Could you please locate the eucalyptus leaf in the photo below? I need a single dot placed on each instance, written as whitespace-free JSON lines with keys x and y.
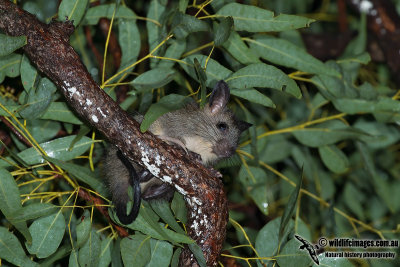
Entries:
{"x":10,"y":202}
{"x":10,"y":43}
{"x":284,"y":53}
{"x":47,"y":233}
{"x":161,"y":252}
{"x":326,"y":133}
{"x":11,"y":249}
{"x":129,"y":40}
{"x":10,"y":66}
{"x":58,"y":149}
{"x":291,"y":253}
{"x":142,"y":225}
{"x":135,"y":250}
{"x":263,"y":75}
{"x":253,"y":96}
{"x":105,"y":254}
{"x":184,"y":24}
{"x":334,"y":159}
{"x":38,"y":99}
{"x":255,"y":19}
{"x":174,"y":51}
{"x":81,"y":173}
{"x":72,"y":10}
{"x":237,"y":48}
{"x":270,"y":232}
{"x":214,"y":71}
{"x":154,"y":78}
{"x":89,"y":253}
{"x":222,"y":30}
{"x":83,"y":229}
{"x":33,"y":211}
{"x":94,"y":14}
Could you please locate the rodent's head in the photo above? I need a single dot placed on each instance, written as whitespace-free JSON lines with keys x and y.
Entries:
{"x":213,"y":132}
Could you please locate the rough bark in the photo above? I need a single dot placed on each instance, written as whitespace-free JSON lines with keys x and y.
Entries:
{"x":48,"y":49}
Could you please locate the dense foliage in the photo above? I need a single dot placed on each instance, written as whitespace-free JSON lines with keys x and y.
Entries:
{"x":322,"y":159}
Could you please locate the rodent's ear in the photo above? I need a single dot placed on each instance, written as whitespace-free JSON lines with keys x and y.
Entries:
{"x":219,"y":97}
{"x":243,"y":126}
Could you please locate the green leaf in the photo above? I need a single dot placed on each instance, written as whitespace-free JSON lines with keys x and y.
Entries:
{"x":276,"y":149}
{"x":11,"y":249}
{"x":214,"y":71}
{"x":38,"y":99}
{"x":202,"y":77}
{"x":263,"y":75}
{"x":255,"y":19}
{"x":254,"y":181}
{"x":334,"y":159}
{"x":73,"y":259}
{"x":29,"y":74}
{"x":43,"y":130}
{"x":83,"y":229}
{"x":270,"y":232}
{"x":174,"y":50}
{"x":10,"y":66}
{"x":253,"y":96}
{"x":47,"y":233}
{"x":198,"y":254}
{"x":284,"y":53}
{"x":10,"y":43}
{"x":222,"y":31}
{"x":183,"y":24}
{"x":183,"y":5}
{"x":155,"y":31}
{"x":289,"y":209}
{"x":381,"y":186}
{"x":161,"y":253}
{"x":72,"y":10}
{"x":10,"y":202}
{"x":353,"y":106}
{"x":83,"y":174}
{"x":9,"y":194}
{"x":239,"y":50}
{"x":144,"y":226}
{"x":89,"y":253}
{"x":58,"y":149}
{"x":166,"y":104}
{"x":105,"y":254}
{"x":326,"y":133}
{"x":129,"y":40}
{"x":154,"y":78}
{"x":291,"y":254}
{"x":175,"y":257}
{"x":354,"y":200}
{"x":381,"y":135}
{"x":178,"y":206}
{"x":333,"y":262}
{"x":161,"y":207}
{"x":59,"y":111}
{"x":94,"y":14}
{"x":33,"y":211}
{"x":363,"y":58}
{"x":135,"y":250}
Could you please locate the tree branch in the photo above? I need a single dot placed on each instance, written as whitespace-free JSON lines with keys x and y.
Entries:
{"x":48,"y":49}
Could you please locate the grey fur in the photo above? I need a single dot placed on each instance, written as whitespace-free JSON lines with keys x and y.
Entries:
{"x":212,"y":132}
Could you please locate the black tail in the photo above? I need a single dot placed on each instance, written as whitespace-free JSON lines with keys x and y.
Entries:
{"x":121,"y":207}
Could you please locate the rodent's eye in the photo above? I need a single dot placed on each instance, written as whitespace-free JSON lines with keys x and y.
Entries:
{"x":222,"y":126}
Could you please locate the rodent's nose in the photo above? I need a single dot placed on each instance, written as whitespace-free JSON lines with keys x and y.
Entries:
{"x":224,"y":149}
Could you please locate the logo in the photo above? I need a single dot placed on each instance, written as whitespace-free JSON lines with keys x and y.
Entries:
{"x":309,"y":247}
